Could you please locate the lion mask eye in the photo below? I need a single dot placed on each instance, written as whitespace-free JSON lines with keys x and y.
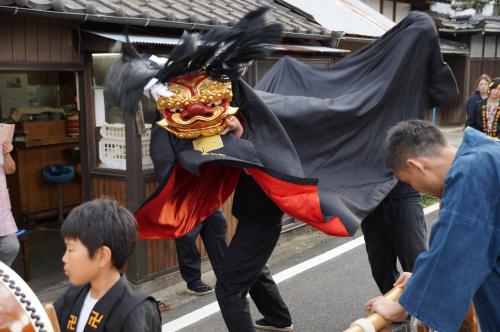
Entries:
{"x":175,"y":110}
{"x":215,"y":103}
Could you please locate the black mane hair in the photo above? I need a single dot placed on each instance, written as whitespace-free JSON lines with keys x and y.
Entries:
{"x":223,"y":53}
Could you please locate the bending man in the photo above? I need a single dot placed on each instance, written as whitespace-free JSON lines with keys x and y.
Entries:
{"x":463,"y":261}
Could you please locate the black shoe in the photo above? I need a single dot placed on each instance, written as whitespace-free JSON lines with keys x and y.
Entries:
{"x":263,"y":324}
{"x":199,"y":290}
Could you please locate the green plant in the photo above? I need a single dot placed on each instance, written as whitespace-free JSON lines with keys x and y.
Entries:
{"x":428,"y":200}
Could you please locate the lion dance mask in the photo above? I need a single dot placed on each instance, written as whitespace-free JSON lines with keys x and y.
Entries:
{"x":199,"y":106}
{"x":197,"y":75}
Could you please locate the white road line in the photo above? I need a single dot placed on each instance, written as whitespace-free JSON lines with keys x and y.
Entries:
{"x":315,"y":261}
{"x":213,"y":307}
{"x":431,"y":209}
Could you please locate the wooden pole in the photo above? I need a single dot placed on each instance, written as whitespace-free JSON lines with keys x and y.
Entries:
{"x":377,"y":320}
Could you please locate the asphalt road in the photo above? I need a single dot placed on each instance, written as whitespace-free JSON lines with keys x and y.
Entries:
{"x":327,"y":297}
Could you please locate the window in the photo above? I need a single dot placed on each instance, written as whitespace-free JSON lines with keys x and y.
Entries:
{"x":109,"y":120}
{"x":33,"y":90}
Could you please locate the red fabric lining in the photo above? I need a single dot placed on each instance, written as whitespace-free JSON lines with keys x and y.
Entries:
{"x":186,"y":200}
{"x":299,"y":201}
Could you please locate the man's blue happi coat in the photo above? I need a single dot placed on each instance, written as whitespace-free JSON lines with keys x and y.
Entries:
{"x":463,"y":261}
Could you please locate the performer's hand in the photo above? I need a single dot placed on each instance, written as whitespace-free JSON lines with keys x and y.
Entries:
{"x":390,"y":310}
{"x":233,"y":125}
{"x":154,"y":89}
{"x":403,"y":280}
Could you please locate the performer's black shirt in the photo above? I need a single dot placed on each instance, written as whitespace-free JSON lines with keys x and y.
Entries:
{"x":251,"y":202}
{"x":402,"y":190}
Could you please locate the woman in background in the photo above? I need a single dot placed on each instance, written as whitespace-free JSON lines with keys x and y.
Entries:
{"x":9,"y":244}
{"x":481,"y":93}
{"x":485,"y":115}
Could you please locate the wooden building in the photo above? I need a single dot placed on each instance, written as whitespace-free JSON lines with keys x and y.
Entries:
{"x":477,"y":26}
{"x":54,"y":58}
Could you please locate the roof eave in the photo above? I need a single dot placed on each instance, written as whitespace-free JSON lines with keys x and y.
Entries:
{"x":144,"y":22}
{"x":450,"y":30}
{"x":359,"y":38}
{"x":455,"y":52}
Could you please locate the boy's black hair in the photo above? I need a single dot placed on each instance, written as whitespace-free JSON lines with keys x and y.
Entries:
{"x":408,"y":139}
{"x":103,"y":222}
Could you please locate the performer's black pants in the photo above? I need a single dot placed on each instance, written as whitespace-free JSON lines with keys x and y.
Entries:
{"x":394,"y":230}
{"x":244,"y":272}
{"x":213,"y":233}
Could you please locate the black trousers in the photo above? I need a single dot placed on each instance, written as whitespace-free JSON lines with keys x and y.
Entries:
{"x":244,"y":271}
{"x":213,"y":233}
{"x":394,"y":230}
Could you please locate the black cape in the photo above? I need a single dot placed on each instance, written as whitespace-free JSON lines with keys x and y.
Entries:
{"x":319,"y":158}
{"x":122,"y":308}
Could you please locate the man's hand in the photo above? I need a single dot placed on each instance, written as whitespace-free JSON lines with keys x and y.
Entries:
{"x":389,"y":309}
{"x":233,"y":125}
{"x":403,"y":280}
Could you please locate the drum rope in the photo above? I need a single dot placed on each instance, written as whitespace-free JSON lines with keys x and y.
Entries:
{"x":22,"y":298}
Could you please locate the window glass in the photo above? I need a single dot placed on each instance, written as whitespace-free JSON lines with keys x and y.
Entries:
{"x":40,"y":103}
{"x":35,"y":90}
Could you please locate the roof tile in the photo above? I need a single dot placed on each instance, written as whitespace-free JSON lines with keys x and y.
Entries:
{"x":208,"y":12}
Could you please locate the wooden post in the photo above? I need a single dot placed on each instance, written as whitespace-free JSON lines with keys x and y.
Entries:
{"x":134,"y":192}
{"x":394,"y":9}
{"x":87,"y":127}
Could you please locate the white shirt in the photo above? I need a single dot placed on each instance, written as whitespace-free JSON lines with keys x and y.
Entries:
{"x":87,"y":307}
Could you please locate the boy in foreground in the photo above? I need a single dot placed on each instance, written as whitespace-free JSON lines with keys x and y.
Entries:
{"x":99,"y":237}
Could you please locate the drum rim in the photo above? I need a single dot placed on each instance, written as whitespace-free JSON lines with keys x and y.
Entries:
{"x":11,"y":280}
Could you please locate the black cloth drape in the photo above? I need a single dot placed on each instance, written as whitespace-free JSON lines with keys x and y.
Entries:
{"x":312,"y":138}
{"x":337,"y":119}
